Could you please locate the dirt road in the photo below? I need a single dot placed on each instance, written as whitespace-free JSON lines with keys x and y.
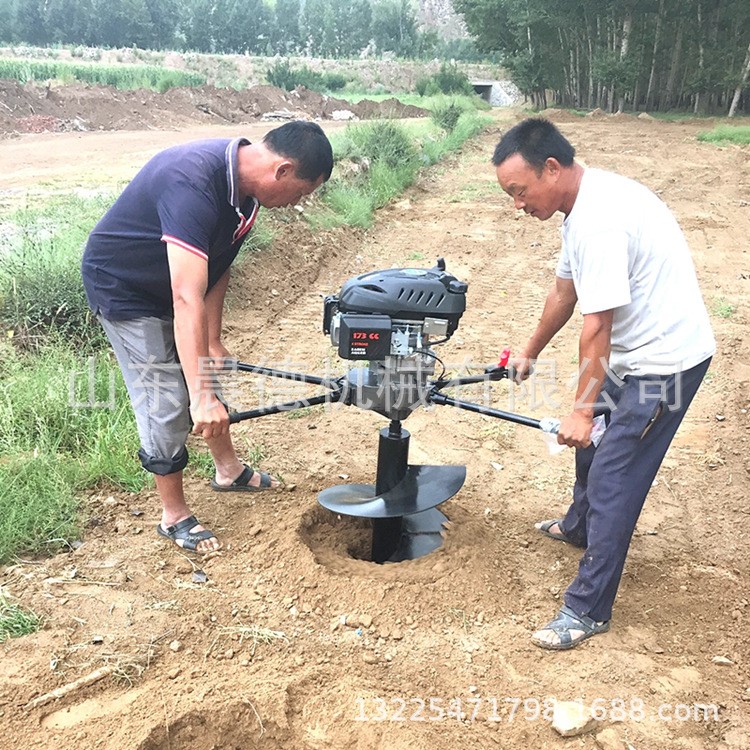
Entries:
{"x":38,"y":163}
{"x":452,"y":627}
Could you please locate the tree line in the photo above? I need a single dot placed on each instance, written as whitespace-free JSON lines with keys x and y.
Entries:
{"x":324,"y":28}
{"x":621,"y":54}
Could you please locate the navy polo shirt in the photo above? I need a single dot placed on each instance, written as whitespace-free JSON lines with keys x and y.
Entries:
{"x":188,"y":196}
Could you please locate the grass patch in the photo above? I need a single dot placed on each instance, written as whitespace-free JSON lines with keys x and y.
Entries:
{"x":468,"y":125}
{"x":467,"y":102}
{"x":723,"y":134}
{"x":283,"y":76}
{"x":678,"y":116}
{"x":379,"y":160}
{"x":15,"y":621}
{"x":722,"y":308}
{"x":38,"y":505}
{"x":65,"y":424}
{"x":262,"y":235}
{"x":41,"y":290}
{"x":120,"y":76}
{"x":386,"y":162}
{"x":201,"y":464}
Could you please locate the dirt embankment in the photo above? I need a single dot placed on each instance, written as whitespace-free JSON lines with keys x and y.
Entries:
{"x":29,"y":108}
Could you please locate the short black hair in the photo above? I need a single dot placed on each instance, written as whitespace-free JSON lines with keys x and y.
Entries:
{"x":536,"y":139}
{"x":305,"y":143}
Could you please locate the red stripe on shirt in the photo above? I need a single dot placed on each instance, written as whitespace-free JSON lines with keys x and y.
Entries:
{"x":184,"y":245}
{"x":245,"y":224}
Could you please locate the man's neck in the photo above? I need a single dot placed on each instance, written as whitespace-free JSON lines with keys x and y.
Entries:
{"x":571,"y":187}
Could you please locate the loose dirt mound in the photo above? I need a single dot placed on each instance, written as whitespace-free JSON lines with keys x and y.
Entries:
{"x":32,"y":109}
{"x":433,"y":653}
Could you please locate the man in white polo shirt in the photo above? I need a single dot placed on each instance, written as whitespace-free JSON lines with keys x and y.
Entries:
{"x":644,"y":348}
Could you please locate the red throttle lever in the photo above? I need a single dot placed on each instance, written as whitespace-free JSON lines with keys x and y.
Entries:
{"x":500,"y":370}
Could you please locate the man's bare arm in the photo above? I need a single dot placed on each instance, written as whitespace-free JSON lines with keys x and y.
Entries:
{"x":558,"y":308}
{"x":189,"y":278}
{"x":593,"y":356}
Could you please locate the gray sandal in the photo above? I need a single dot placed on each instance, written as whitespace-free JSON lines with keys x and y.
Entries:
{"x":565,"y":621}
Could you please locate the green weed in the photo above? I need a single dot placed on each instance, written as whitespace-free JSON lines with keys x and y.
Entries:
{"x":262,"y":235}
{"x":722,"y":308}
{"x":383,"y":141}
{"x":202,"y":464}
{"x":38,"y":509}
{"x":15,"y":621}
{"x":468,"y":125}
{"x":343,"y":205}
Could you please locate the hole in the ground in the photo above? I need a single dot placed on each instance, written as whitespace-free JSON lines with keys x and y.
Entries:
{"x":333,"y":534}
{"x":232,"y":727}
{"x":335,"y":538}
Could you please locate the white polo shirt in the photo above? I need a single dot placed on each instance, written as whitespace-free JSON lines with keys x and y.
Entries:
{"x":624,"y":251}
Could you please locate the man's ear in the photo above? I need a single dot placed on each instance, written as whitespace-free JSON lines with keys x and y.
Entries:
{"x":553,"y":167}
{"x":283,"y":169}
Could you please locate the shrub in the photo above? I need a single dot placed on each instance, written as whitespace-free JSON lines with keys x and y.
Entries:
{"x":451,"y":80}
{"x":283,"y":76}
{"x":384,"y":141}
{"x":446,"y":116}
{"x":448,"y":80}
{"x":334,"y":81}
{"x":421,"y":85}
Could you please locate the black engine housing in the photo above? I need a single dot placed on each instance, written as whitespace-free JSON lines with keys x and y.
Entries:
{"x":402,"y":294}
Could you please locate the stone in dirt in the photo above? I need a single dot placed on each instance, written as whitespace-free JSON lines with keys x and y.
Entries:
{"x":570,"y":719}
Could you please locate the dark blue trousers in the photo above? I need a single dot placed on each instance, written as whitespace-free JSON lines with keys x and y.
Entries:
{"x":612,"y":480}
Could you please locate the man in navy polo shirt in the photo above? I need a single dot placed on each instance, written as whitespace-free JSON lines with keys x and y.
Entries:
{"x":156,"y":269}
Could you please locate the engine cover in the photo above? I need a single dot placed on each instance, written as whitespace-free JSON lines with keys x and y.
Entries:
{"x":403,"y":294}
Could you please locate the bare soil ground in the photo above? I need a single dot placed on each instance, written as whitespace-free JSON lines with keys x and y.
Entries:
{"x":454,"y":624}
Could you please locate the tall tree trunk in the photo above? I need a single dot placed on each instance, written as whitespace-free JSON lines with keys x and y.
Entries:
{"x":590,"y":64}
{"x":590,"y":102}
{"x":701,"y":60}
{"x":741,"y":84}
{"x":567,"y":91}
{"x":627,"y":27}
{"x":657,"y":35}
{"x":575,"y":72}
{"x":668,"y":95}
